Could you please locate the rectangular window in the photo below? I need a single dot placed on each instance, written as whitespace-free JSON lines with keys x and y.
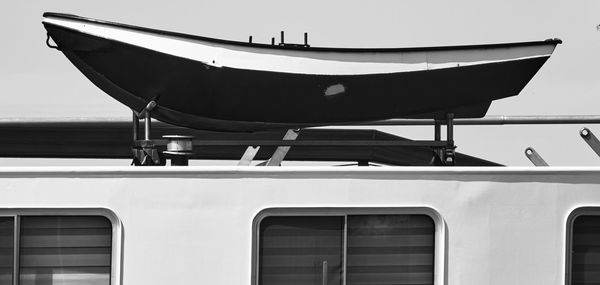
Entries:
{"x":7,"y":249}
{"x":346,"y":249}
{"x":56,"y":250}
{"x":584,"y":267}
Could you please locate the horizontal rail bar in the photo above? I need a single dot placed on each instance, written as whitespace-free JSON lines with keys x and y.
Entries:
{"x":342,"y":143}
{"x":489,"y":120}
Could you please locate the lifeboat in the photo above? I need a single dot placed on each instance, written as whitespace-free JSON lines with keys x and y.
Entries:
{"x":221,"y":85}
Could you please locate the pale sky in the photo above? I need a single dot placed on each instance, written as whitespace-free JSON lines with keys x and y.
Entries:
{"x":41,"y":82}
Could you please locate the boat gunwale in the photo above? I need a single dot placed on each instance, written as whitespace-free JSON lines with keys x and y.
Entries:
{"x":554,"y":41}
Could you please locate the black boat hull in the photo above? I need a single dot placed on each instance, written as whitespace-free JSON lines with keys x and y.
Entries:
{"x":194,"y":94}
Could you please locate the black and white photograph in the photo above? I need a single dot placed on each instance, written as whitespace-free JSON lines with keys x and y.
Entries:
{"x":387,"y":142}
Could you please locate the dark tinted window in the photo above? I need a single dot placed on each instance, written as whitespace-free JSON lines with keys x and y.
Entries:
{"x":363,"y":249}
{"x":7,"y":249}
{"x":390,"y":249}
{"x":298,"y":250}
{"x":57,"y":250}
{"x":585,"y":250}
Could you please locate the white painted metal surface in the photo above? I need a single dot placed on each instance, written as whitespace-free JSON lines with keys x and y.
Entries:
{"x":186,"y":225}
{"x":303,"y":61}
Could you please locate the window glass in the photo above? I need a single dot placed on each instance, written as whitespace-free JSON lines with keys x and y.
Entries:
{"x":65,"y":250}
{"x":360,"y":249}
{"x":298,"y":250}
{"x":7,"y":225}
{"x":390,"y":249}
{"x":585,"y":250}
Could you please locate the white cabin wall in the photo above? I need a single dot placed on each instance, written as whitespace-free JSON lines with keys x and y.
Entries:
{"x":502,"y":227}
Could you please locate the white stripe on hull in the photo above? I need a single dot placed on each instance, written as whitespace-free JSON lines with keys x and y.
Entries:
{"x":304,"y":61}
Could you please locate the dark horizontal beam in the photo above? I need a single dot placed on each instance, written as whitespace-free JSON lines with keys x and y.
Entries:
{"x":301,"y":143}
{"x":99,"y":138}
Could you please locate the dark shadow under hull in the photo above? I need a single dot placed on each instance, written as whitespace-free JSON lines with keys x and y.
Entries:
{"x":192,"y":94}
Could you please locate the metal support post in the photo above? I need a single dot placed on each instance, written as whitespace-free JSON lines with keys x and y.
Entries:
{"x":136,"y":127}
{"x":449,"y":150}
{"x":438,"y":153}
{"x":437,"y":135}
{"x":146,"y":152}
{"x":147,"y":125}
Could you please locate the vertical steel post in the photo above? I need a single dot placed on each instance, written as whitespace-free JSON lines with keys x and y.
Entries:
{"x":450,"y":129}
{"x":147,"y":126}
{"x":306,"y":39}
{"x":325,"y":271}
{"x":438,"y":153}
{"x":282,"y":42}
{"x":16,"y":251}
{"x":449,"y":153}
{"x":437,"y":131}
{"x":136,"y":126}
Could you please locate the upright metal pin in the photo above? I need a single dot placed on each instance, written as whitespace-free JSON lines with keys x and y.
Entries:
{"x":590,"y":139}
{"x":136,"y":126}
{"x":535,"y":157}
{"x":282,"y":41}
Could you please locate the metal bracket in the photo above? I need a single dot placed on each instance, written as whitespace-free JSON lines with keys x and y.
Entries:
{"x":248,"y":155}
{"x":281,"y":151}
{"x":590,"y":139}
{"x":444,"y":155}
{"x":535,"y":157}
{"x":145,"y":152}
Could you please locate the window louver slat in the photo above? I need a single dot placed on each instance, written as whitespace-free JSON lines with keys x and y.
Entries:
{"x":380,"y":249}
{"x":585,"y":260}
{"x":64,"y":250}
{"x":390,"y":249}
{"x":292,"y":250}
{"x":7,"y":226}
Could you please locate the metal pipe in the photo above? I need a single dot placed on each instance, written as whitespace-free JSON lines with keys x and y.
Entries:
{"x":590,"y":139}
{"x":250,"y":39}
{"x":489,"y":120}
{"x":136,"y":127}
{"x":437,"y":131}
{"x":307,"y":143}
{"x":16,"y":249}
{"x":306,"y":39}
{"x":450,"y":129}
{"x":147,"y":123}
{"x":325,"y":271}
{"x":282,"y":42}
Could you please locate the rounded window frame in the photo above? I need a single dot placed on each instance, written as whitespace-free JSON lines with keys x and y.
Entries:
{"x":440,"y":243}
